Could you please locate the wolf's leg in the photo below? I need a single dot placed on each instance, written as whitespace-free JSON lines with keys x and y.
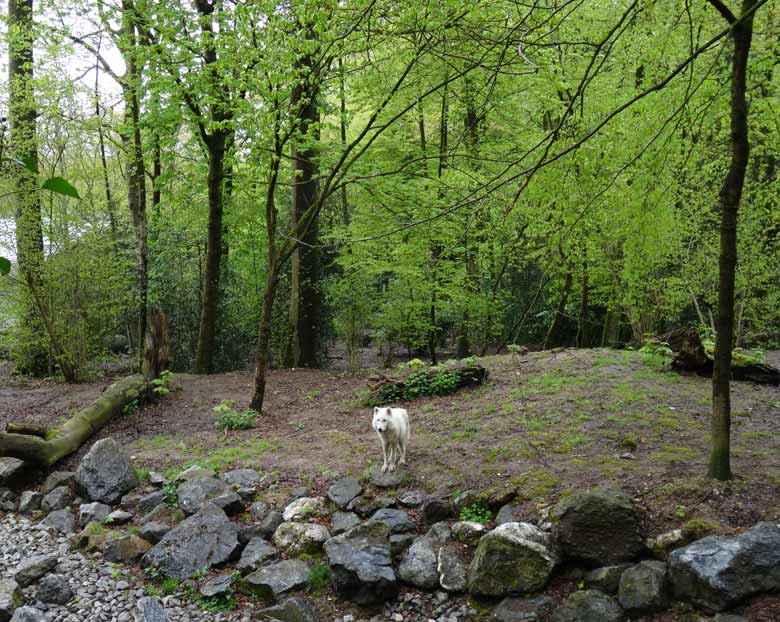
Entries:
{"x":402,"y":443}
{"x":393,"y":456}
{"x":384,"y":453}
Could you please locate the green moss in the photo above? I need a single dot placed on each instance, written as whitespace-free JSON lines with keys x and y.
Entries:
{"x":535,"y":485}
{"x":697,"y":528}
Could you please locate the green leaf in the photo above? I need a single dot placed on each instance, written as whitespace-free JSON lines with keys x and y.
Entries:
{"x":60,"y":186}
{"x":27,"y":163}
{"x":5,"y":266}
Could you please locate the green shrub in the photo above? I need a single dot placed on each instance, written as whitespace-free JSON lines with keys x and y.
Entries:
{"x":476,"y":513}
{"x":226,"y":418}
{"x":319,"y":577}
{"x":161,"y":383}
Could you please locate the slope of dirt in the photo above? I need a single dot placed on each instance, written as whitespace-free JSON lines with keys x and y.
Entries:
{"x":548,"y":423}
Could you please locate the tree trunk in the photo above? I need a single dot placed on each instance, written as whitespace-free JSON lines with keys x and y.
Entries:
{"x":553,"y":336}
{"x":264,"y":340}
{"x":33,"y":359}
{"x":136,"y":171}
{"x":583,"y":330}
{"x":730,"y":196}
{"x":208,"y":311}
{"x":305,"y":299}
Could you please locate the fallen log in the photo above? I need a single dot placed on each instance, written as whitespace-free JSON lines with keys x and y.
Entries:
{"x":424,"y":382}
{"x":691,"y":355}
{"x":42,"y":447}
{"x":57,"y":443}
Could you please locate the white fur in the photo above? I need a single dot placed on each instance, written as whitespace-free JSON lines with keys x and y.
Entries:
{"x":392,"y":426}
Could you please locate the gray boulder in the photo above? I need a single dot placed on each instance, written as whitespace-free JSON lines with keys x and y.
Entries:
{"x":153,"y":531}
{"x":12,"y":472}
{"x":105,"y":473}
{"x":601,"y":527}
{"x":28,"y":614}
{"x":509,"y":514}
{"x":259,"y":510}
{"x":412,"y":498}
{"x":33,"y":568}
{"x":125,"y":548}
{"x":400,"y":542}
{"x":193,"y":472}
{"x":62,"y":521}
{"x":606,"y":579}
{"x":256,"y":553}
{"x":397,"y":520}
{"x":246,"y":482}
{"x":203,"y":540}
{"x":149,"y":609}
{"x":588,"y":606}
{"x":272,"y":581}
{"x":419,"y":564}
{"x":343,"y":521}
{"x":11,"y":598}
{"x":119,"y":517}
{"x":344,"y":490}
{"x":514,"y":557}
{"x":57,"y":479}
{"x":7,"y":500}
{"x":195,"y":492}
{"x":361,"y":563}
{"x":54,"y":589}
{"x":150,"y":501}
{"x":301,"y":538}
{"x":451,"y":569}
{"x":535,"y":609}
{"x":94,"y":511}
{"x":390,"y":479}
{"x":434,"y":510}
{"x":57,"y":499}
{"x":468,"y":532}
{"x":718,"y":572}
{"x":294,"y":609}
{"x":268,"y":526}
{"x":365,"y":506}
{"x":243,"y":478}
{"x":221,"y":584}
{"x":30,"y":501}
{"x":305,"y":509}
{"x":643,"y":588}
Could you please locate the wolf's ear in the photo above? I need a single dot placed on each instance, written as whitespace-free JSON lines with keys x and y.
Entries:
{"x":389,"y":412}
{"x":376,"y":410}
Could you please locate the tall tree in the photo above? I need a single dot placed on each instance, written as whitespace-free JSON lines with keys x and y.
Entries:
{"x":305,"y":296}
{"x":22,"y":115}
{"x":730,"y":197}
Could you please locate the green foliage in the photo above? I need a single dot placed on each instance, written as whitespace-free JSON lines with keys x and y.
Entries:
{"x":170,"y":489}
{"x":160,"y":384}
{"x":226,"y":418}
{"x":131,"y":407}
{"x":476,"y":513}
{"x":319,"y":577}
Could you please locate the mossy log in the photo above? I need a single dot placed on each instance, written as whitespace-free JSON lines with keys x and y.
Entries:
{"x":690,"y":355}
{"x":386,"y":389}
{"x":44,"y":447}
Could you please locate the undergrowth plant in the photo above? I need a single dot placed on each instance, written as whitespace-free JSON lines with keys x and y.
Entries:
{"x":476,"y":513}
{"x":226,"y":418}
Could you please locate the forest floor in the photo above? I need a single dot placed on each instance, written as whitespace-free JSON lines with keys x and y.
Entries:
{"x":548,"y":423}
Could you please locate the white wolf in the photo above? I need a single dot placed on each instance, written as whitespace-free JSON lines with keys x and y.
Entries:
{"x":392,"y":426}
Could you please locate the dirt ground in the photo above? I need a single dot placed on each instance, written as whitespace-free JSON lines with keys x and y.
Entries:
{"x":547,"y":423}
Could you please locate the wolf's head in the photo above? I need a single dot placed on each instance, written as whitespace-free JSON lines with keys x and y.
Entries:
{"x":382,"y":419}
